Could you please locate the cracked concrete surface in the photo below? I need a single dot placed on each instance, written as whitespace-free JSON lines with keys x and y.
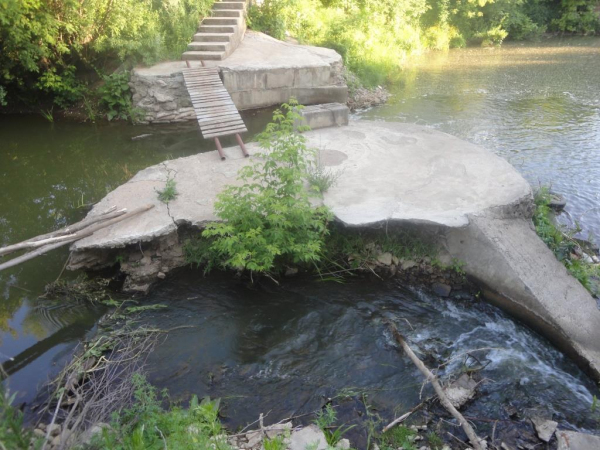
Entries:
{"x":388,"y":171}
{"x":477,"y":204}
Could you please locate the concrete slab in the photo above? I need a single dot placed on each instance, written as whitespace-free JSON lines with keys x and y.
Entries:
{"x":325,"y":115}
{"x":410,"y":173}
{"x":388,"y":171}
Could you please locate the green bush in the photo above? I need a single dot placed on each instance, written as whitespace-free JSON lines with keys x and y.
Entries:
{"x":268,"y":17}
{"x":45,"y":44}
{"x":374,"y":38}
{"x":115,"y":96}
{"x":12,"y":433}
{"x":268,"y":220}
{"x":560,"y":240}
{"x":147,"y":426}
{"x":578,"y":16}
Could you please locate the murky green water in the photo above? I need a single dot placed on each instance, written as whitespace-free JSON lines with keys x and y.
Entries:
{"x":538,"y":106}
{"x":49,"y":174}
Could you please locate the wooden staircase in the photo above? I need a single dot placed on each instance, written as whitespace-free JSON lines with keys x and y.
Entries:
{"x":220,"y":34}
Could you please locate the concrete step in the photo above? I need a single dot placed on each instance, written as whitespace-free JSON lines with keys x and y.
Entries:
{"x":220,"y":21}
{"x":229,"y":5}
{"x":206,"y":56}
{"x":208,"y":47}
{"x":212,"y":37}
{"x":227,"y":13}
{"x":216,"y":29}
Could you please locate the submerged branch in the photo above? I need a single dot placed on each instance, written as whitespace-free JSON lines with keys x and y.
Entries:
{"x":468,"y":429}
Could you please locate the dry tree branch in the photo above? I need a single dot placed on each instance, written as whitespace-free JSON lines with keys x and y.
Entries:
{"x":476,"y":442}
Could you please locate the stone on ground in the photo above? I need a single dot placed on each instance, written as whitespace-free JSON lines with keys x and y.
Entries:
{"x":571,"y":440}
{"x":544,"y":428}
{"x":308,"y":437}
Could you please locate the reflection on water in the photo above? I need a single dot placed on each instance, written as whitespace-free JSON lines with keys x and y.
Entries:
{"x":49,"y":174}
{"x":537,"y":105}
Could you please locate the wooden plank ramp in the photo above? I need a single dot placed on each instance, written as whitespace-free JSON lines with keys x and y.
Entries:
{"x":216,"y":113}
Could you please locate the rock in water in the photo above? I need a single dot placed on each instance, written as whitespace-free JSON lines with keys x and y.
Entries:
{"x":441,"y":289}
{"x":461,"y":391}
{"x":544,"y":428}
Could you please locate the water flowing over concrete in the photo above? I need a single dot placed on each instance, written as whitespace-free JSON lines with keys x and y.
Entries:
{"x":472,"y":203}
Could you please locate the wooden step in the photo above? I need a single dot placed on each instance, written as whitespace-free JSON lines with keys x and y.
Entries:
{"x":220,"y":21}
{"x":207,"y":56}
{"x":216,"y":29}
{"x":229,"y":5}
{"x":212,"y":37}
{"x":227,"y":13}
{"x":208,"y":47}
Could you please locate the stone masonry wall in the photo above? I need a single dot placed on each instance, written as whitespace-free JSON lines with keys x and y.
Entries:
{"x":163,"y":98}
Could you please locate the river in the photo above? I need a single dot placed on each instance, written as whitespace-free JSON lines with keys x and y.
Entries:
{"x":536,"y":105}
{"x":285,"y":349}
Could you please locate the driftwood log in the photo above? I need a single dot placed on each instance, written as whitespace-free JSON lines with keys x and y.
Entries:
{"x":67,"y":235}
{"x":476,"y":442}
{"x":63,"y":233}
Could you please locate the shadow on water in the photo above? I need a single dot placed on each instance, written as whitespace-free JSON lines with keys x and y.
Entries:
{"x":287,"y":350}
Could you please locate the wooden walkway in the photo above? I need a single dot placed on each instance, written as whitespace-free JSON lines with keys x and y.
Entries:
{"x":216,"y":113}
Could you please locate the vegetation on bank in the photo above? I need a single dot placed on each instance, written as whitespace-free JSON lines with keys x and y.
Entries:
{"x":54,"y":52}
{"x":560,"y":239}
{"x":374,"y":38}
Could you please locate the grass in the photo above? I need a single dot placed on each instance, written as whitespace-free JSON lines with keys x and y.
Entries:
{"x":325,"y":420}
{"x":147,"y":426}
{"x":169,"y":192}
{"x":277,"y":443}
{"x":321,"y":179}
{"x":353,"y":249}
{"x":12,"y":433}
{"x":399,"y":436}
{"x":434,"y":441}
{"x":560,"y":240}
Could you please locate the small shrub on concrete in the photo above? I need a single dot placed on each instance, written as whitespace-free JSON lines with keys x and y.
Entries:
{"x":269,"y":221}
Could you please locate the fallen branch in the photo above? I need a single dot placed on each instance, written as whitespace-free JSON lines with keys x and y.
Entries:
{"x":48,"y":238}
{"x":402,"y":418}
{"x":468,"y":429}
{"x":72,"y":238}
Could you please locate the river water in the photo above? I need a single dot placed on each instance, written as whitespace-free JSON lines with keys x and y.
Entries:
{"x":286,"y":349}
{"x":538,"y":106}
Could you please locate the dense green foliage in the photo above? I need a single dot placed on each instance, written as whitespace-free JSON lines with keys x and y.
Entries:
{"x":46,"y":45}
{"x":12,"y":433}
{"x":560,"y":240}
{"x":268,"y":220}
{"x":374,"y":37}
{"x":146,"y":425}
